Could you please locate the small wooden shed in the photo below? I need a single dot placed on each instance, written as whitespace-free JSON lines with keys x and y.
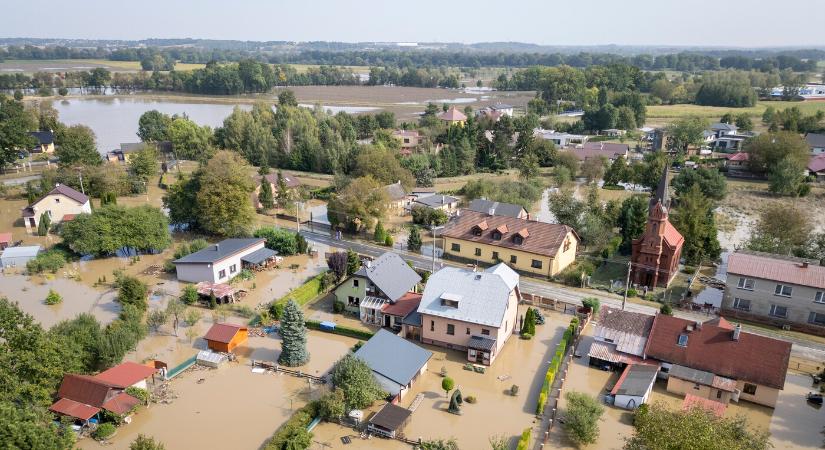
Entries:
{"x":224,"y":337}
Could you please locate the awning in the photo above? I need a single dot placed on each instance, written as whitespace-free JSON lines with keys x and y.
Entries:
{"x":606,"y":352}
{"x":482,"y":343}
{"x":259,"y":256}
{"x":373,"y":303}
{"x":74,"y":409}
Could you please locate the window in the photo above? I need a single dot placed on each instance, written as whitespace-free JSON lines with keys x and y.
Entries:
{"x":233,"y":268}
{"x":485,"y":332}
{"x":468,"y":330}
{"x":518,"y":240}
{"x":819,"y":297}
{"x":741,"y":303}
{"x":718,"y":393}
{"x":432,"y":325}
{"x":57,"y":200}
{"x":455,"y":247}
{"x":783,"y":290}
{"x":495,"y":257}
{"x":683,"y":339}
{"x":222,"y":274}
{"x":566,"y":245}
{"x":697,"y":386}
{"x":476,"y":232}
{"x":478,"y":251}
{"x":779,"y":311}
{"x":406,"y":140}
{"x":745,"y":283}
{"x":497,"y":235}
{"x":816,"y":318}
{"x":351,"y":300}
{"x":450,"y":329}
{"x":513,"y":259}
{"x":536,"y":264}
{"x":749,"y":389}
{"x":354,"y":283}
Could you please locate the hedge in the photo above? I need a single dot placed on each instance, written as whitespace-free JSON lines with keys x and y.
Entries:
{"x":550,"y":376}
{"x":302,"y":295}
{"x":524,"y":441}
{"x":293,"y":428}
{"x":342,"y":330}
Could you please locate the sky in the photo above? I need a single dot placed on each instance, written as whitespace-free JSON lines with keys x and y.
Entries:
{"x":742,"y":23}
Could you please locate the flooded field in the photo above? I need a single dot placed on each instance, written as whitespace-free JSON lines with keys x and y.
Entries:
{"x":521,"y":363}
{"x":232,"y":407}
{"x":794,"y":424}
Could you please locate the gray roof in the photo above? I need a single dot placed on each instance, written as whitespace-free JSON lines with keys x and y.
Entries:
{"x":638,"y":379}
{"x":696,"y":376}
{"x":395,"y":191}
{"x":218,"y":251}
{"x":501,"y":106}
{"x":436,"y":200}
{"x":482,"y":343}
{"x":129,"y":147}
{"x":393,"y":357}
{"x":391,"y":274}
{"x":482,"y":297}
{"x":43,"y":137}
{"x":260,"y":255}
{"x":21,"y":251}
{"x":815,"y":140}
{"x":723,"y":126}
{"x":412,"y":319}
{"x":499,"y":209}
{"x":391,"y":417}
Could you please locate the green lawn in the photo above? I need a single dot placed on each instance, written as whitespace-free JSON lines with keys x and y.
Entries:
{"x":715,"y":112}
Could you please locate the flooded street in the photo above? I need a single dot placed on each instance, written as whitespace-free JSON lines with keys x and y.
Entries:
{"x":794,"y":424}
{"x":521,"y":362}
{"x":232,"y":407}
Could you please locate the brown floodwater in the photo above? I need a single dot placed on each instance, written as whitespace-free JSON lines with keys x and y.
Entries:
{"x":496,"y":413}
{"x":232,"y":407}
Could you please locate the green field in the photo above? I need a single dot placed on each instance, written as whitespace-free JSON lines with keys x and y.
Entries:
{"x":664,"y":113}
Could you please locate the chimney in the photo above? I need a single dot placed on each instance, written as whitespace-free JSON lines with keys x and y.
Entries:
{"x":804,"y":264}
{"x":697,"y":325}
{"x":368,"y":264}
{"x":491,"y":211}
{"x":217,"y":247}
{"x":736,"y":331}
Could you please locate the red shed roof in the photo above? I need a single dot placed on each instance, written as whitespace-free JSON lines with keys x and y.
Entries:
{"x":757,"y":359}
{"x":403,"y":306}
{"x":452,"y":115}
{"x":692,"y":401}
{"x":69,"y":407}
{"x":223,"y":332}
{"x":121,"y":403}
{"x":126,"y":374}
{"x":84,"y":389}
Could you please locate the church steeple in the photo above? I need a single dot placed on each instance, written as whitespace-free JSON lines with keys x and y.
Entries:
{"x":659,"y":202}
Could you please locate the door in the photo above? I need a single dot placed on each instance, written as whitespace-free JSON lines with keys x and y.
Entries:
{"x":387,"y":321}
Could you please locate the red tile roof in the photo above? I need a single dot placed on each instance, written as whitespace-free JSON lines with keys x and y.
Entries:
{"x":544,"y":238}
{"x":738,"y":156}
{"x":223,"y":332}
{"x":69,"y":407}
{"x":403,"y":306}
{"x":121,"y":403}
{"x":289,"y":180}
{"x":126,"y":374}
{"x":776,"y":268}
{"x":672,"y":236}
{"x":5,"y":237}
{"x":452,"y":115}
{"x":817,"y":163}
{"x":711,"y":348}
{"x":84,"y":389}
{"x":692,"y":401}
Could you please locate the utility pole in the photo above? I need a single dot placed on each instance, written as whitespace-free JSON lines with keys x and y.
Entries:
{"x":432,"y":270}
{"x":80,"y":174}
{"x":626,"y":284}
{"x":298,"y":216}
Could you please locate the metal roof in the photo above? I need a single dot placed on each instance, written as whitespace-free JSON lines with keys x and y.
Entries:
{"x":607,"y":352}
{"x":436,"y":200}
{"x":391,"y":417}
{"x":126,"y":374}
{"x":391,"y":274}
{"x":69,"y":407}
{"x":22,"y":251}
{"x":815,"y":140}
{"x":393,"y":357}
{"x":702,"y":377}
{"x":43,"y":137}
{"x":219,"y":251}
{"x":223,"y":332}
{"x":783,"y":269}
{"x":482,"y":343}
{"x":259,"y":256}
{"x":636,"y":380}
{"x":484,"y":295}
{"x":499,"y":209}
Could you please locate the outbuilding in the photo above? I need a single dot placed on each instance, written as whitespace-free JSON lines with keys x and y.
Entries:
{"x":224,"y":337}
{"x":634,"y":386}
{"x":389,"y":421}
{"x":18,"y":256}
{"x":5,"y":240}
{"x":396,"y":362}
{"x":217,"y":263}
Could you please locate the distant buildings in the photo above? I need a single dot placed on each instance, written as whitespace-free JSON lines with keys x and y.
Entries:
{"x":45,"y":141}
{"x":559,"y":139}
{"x":472,"y":311}
{"x":446,"y":203}
{"x":484,"y":206}
{"x":290,"y":182}
{"x":656,"y":253}
{"x":610,"y":151}
{"x":453,"y":117}
{"x":61,"y":204}
{"x":18,"y":256}
{"x":397,"y":197}
{"x":816,"y":142}
{"x":816,"y":167}
{"x":219,"y":263}
{"x":409,"y":140}
{"x":776,"y":290}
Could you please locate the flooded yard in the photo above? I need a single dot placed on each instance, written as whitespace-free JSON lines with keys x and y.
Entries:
{"x":794,"y":424}
{"x":521,"y":362}
{"x":232,"y":407}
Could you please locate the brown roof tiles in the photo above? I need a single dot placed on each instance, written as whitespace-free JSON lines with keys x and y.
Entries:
{"x":223,"y":332}
{"x":776,"y":268}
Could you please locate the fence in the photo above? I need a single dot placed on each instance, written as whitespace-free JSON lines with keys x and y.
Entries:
{"x":549,"y":303}
{"x":181,"y":367}
{"x":295,"y":373}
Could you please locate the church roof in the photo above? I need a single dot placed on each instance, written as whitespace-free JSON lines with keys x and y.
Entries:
{"x":661,"y":192}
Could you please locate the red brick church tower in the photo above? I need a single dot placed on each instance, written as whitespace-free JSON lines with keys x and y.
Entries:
{"x":656,"y":252}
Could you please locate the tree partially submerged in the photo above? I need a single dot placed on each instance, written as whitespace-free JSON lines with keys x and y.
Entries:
{"x":581,"y":417}
{"x":294,"y":335}
{"x":355,"y":378}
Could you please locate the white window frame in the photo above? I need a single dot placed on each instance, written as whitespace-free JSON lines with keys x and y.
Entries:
{"x":736,"y":304}
{"x":819,"y":297}
{"x":773,"y":313}
{"x":812,"y":316}
{"x":233,"y":268}
{"x":746,"y":283}
{"x":780,"y":290}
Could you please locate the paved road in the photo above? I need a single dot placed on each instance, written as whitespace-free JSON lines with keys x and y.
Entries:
{"x":801,"y":347}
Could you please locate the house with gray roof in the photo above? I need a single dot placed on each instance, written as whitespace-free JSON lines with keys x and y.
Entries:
{"x":469,"y":310}
{"x":396,"y":362}
{"x":446,"y":203}
{"x":45,"y":141}
{"x":219,"y":263}
{"x":380,"y":282}
{"x":397,"y":197}
{"x":816,"y":142}
{"x":484,"y":206}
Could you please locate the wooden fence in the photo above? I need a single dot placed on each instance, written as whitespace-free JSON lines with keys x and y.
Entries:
{"x":296,"y":373}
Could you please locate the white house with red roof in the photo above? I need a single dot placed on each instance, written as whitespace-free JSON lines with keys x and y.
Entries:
{"x":61,"y":204}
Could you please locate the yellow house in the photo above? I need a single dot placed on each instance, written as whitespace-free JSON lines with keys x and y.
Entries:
{"x":525,"y":245}
{"x":45,"y":141}
{"x":61,"y":204}
{"x":453,"y":117}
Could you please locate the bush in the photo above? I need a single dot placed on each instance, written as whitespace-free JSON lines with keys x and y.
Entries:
{"x":53,"y":298}
{"x":632,"y":292}
{"x":526,"y":336}
{"x":666,"y":309}
{"x":582,"y":418}
{"x":524,"y":440}
{"x":278,"y":239}
{"x":138,"y":393}
{"x":338,"y":306}
{"x":342,"y":330}
{"x":302,"y":295}
{"x":470,"y":399}
{"x":572,"y":275}
{"x":189,"y":295}
{"x":104,"y":431}
{"x":293,"y":433}
{"x":388,"y":241}
{"x":592,"y":303}
{"x":48,"y":261}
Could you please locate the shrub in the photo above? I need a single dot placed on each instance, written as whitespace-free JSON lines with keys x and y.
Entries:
{"x":278,"y":239}
{"x":470,"y":399}
{"x":447,"y":384}
{"x":302,"y":295}
{"x":138,"y":393}
{"x":189,"y":295}
{"x":104,"y":431}
{"x":53,"y":298}
{"x":341,"y":330}
{"x":632,"y":292}
{"x":592,"y":303}
{"x":572,"y":275}
{"x":526,"y":336}
{"x":388,"y":241}
{"x":50,"y":260}
{"x":514,"y":390}
{"x":524,"y":440}
{"x":542,"y":402}
{"x":293,"y":434}
{"x":666,"y":309}
{"x":582,"y":418}
{"x":338,"y":306}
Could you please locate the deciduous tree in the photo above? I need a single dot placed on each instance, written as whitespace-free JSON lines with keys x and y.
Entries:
{"x":582,"y":416}
{"x":355,"y":378}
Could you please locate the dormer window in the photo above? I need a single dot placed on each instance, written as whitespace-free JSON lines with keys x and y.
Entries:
{"x":476,"y":231}
{"x":683,"y":340}
{"x":496,"y":235}
{"x":451,"y":300}
{"x":518,"y":240}
{"x":480,"y":228}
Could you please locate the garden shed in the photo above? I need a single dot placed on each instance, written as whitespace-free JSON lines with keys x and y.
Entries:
{"x":389,"y":421}
{"x":209,"y":358}
{"x":18,"y":256}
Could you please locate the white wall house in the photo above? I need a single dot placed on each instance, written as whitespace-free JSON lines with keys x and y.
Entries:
{"x":217,"y":263}
{"x":61,"y":203}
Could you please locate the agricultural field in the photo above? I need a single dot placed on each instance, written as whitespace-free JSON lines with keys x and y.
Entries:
{"x":663,"y":114}
{"x":63,"y":65}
